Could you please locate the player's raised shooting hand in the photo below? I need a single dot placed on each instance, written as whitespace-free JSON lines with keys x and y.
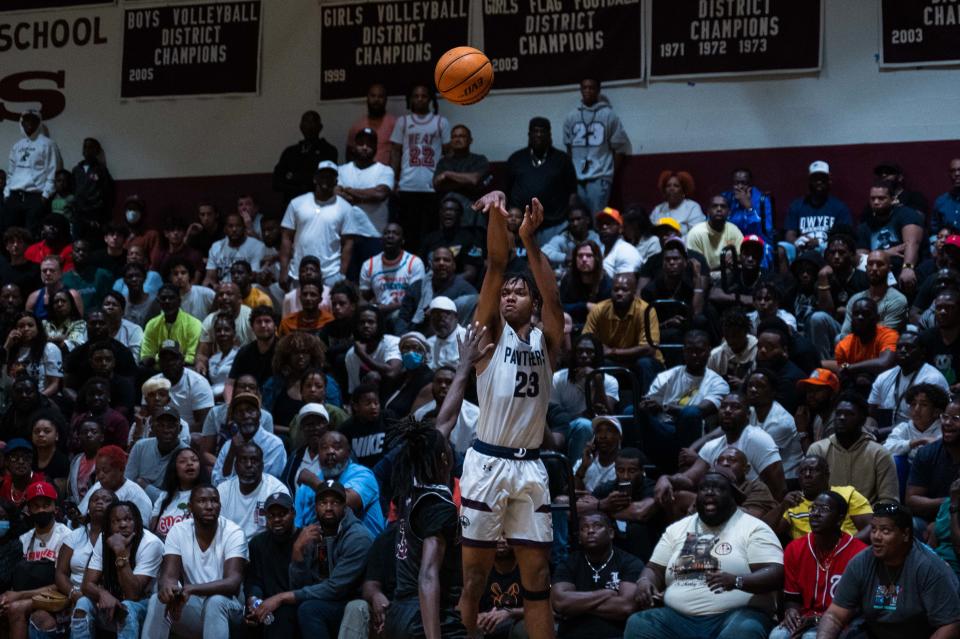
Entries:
{"x":492,"y":201}
{"x":532,"y":219}
{"x":469,"y":347}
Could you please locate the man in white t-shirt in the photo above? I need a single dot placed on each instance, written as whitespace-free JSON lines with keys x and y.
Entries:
{"x":759,"y":448}
{"x":888,"y":396}
{"x":190,"y":392}
{"x":679,"y":400}
{"x":419,"y":140}
{"x":385,"y":279}
{"x":716,"y":570}
{"x":619,"y":255}
{"x":243,"y":495}
{"x":201,"y":574}
{"x":442,"y":314}
{"x":321,"y":224}
{"x":237,"y":245}
{"x":366,"y":183}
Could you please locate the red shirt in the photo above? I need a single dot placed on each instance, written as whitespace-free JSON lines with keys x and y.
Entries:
{"x":36,"y":253}
{"x":815,"y":581}
{"x":11,"y":494}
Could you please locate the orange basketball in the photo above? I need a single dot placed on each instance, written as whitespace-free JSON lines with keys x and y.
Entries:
{"x":463,"y":75}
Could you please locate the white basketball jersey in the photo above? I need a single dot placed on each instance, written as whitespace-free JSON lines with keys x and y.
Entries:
{"x":514,"y":391}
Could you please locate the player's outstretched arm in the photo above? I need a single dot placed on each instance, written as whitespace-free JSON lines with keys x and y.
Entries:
{"x":498,"y":254}
{"x":552,"y":311}
{"x":470,"y":353}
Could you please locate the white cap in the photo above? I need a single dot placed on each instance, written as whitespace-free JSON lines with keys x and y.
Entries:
{"x":607,"y":419}
{"x":442,"y":303}
{"x":327,"y":165}
{"x":314,"y":409}
{"x":819,"y":167}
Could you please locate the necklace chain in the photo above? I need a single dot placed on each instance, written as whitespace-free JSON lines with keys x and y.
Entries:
{"x":596,"y":571}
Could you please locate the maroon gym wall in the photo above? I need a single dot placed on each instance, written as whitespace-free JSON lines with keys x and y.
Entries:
{"x":782,"y":171}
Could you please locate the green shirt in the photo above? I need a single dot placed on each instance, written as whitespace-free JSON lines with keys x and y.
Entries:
{"x":185,"y":330}
{"x":92,"y":285}
{"x":941,"y":530}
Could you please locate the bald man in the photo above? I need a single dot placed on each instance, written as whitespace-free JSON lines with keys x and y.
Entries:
{"x":892,"y":307}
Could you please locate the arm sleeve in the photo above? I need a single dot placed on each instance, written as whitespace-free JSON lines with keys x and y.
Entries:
{"x":563,"y":573}
{"x":51,"y":157}
{"x":898,"y":441}
{"x":939,"y":594}
{"x":149,"y":564}
{"x":253,"y":576}
{"x":763,"y":547}
{"x":590,"y":326}
{"x":236,"y":545}
{"x":858,"y":505}
{"x":148,"y":347}
{"x":791,"y":576}
{"x":619,"y":140}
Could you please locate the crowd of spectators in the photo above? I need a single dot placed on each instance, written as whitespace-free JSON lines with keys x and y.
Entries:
{"x":219,"y":426}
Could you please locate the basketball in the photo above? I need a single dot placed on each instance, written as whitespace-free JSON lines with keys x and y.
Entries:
{"x":463,"y":75}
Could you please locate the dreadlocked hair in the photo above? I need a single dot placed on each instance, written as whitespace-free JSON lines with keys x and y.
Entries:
{"x":111,"y":580}
{"x":420,"y":460}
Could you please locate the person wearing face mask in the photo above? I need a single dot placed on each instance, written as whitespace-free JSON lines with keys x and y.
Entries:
{"x":139,"y":233}
{"x":359,"y":482}
{"x":36,"y":573}
{"x":34,"y":161}
{"x":244,"y":418}
{"x":414,"y":383}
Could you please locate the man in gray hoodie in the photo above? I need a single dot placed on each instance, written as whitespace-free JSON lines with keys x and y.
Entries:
{"x":596,"y":142}
{"x":327,"y":563}
{"x":34,"y":160}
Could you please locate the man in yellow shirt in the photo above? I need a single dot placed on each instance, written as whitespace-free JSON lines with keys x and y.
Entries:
{"x":172,"y":323}
{"x":620,"y":323}
{"x":711,"y":237}
{"x":814,"y":475}
{"x":242,"y":275}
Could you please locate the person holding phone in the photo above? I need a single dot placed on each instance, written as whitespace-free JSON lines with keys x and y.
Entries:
{"x":597,"y":464}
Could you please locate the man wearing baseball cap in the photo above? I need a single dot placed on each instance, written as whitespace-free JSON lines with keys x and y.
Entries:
{"x":811,"y":217}
{"x":268,"y":574}
{"x":294,"y":171}
{"x":323,"y":224}
{"x":43,"y":542}
{"x":366,"y":182}
{"x":814,"y":416}
{"x":29,"y":187}
{"x":19,"y":475}
{"x":619,"y":256}
{"x":321,"y":582}
{"x":443,"y":350}
{"x":244,"y":414}
{"x":713,"y":236}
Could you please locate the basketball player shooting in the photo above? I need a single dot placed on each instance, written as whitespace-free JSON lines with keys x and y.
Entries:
{"x":504,"y":486}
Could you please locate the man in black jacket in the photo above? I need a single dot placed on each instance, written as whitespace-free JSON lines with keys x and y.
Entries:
{"x":268,"y":576}
{"x":293,"y":174}
{"x":326,"y":566}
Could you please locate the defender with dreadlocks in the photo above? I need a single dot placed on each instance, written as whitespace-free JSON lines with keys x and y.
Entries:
{"x":427,"y":541}
{"x":504,"y":485}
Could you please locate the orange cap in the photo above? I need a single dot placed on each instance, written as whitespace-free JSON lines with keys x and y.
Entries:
{"x":822,"y":377}
{"x":612,"y":213}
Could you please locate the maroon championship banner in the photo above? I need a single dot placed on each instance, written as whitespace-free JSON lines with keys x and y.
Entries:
{"x":702,"y":38}
{"x":395,"y":43}
{"x":542,"y":43}
{"x":917,"y":33}
{"x":191,"y":50}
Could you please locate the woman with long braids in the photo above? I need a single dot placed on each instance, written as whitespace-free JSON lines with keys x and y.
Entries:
{"x":428,"y":539}
{"x":184,"y":471}
{"x":119,"y":576}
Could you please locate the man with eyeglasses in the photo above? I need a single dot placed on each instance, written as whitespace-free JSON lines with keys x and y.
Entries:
{"x":900,"y":588}
{"x":812,"y":564}
{"x":935,"y":467}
